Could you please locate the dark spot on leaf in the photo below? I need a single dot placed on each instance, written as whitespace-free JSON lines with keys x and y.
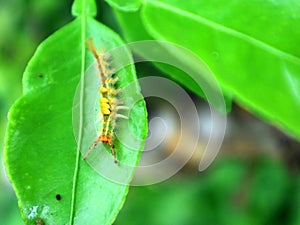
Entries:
{"x":40,"y":75}
{"x":39,"y":222}
{"x":58,"y":197}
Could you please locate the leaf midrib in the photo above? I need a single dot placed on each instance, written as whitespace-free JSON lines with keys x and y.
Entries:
{"x":76,"y":169}
{"x":256,"y":42}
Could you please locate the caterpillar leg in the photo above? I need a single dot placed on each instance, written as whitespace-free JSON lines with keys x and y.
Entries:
{"x":113,"y":152}
{"x":112,"y":148}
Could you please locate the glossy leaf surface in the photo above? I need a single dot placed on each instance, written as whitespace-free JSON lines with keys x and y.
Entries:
{"x":52,"y":182}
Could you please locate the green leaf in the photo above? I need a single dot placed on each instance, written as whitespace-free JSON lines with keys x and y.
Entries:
{"x":84,"y":8}
{"x":127,"y":20}
{"x":245,"y":44}
{"x":127,"y":6}
{"x":52,"y":182}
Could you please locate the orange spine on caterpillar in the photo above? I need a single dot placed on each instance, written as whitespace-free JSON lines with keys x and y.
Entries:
{"x":108,"y":100}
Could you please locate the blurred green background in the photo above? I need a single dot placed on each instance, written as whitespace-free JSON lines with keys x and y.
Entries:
{"x":255,"y":179}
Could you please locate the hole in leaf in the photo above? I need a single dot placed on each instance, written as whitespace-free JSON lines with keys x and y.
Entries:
{"x":58,"y":197}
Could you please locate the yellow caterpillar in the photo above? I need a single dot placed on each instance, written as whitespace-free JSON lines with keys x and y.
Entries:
{"x":109,"y":104}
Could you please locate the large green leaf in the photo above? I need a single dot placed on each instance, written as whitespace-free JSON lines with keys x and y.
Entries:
{"x":250,"y":46}
{"x":53,"y":184}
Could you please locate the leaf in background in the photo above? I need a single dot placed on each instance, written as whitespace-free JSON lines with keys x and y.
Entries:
{"x":238,"y":190}
{"x":128,"y":5}
{"x":52,"y":182}
{"x":245,"y":44}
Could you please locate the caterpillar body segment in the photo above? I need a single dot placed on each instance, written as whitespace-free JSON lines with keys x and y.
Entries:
{"x":109,"y":103}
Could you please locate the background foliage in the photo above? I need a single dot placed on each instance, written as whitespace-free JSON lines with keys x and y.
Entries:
{"x":244,"y":43}
{"x":258,"y":186}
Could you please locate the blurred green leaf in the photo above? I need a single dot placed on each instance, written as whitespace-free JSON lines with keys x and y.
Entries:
{"x":294,"y":206}
{"x":9,"y":211}
{"x":51,"y":181}
{"x":268,"y":189}
{"x":244,"y":44}
{"x":231,"y":191}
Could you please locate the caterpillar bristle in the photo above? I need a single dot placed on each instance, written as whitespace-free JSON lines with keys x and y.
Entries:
{"x":120,"y":107}
{"x":90,"y":149}
{"x":122,"y":116}
{"x":107,"y":56}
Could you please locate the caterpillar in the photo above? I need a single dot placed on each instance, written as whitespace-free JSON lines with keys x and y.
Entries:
{"x":109,"y":103}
